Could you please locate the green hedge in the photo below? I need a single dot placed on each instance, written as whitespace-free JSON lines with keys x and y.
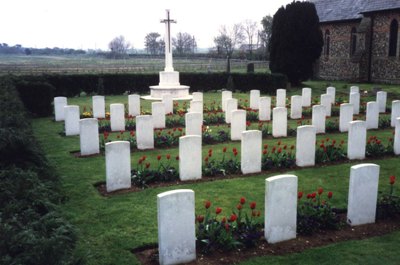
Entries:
{"x":31,"y":229}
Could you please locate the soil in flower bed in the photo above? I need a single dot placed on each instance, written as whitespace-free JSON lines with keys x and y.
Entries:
{"x":149,"y":255}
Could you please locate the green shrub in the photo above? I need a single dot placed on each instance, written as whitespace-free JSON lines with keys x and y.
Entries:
{"x":37,"y":97}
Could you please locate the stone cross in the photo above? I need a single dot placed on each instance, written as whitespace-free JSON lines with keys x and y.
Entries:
{"x":168,"y":49}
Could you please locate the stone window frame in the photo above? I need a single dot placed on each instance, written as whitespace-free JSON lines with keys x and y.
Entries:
{"x":353,"y":41}
{"x":327,"y":43}
{"x":393,"y":42}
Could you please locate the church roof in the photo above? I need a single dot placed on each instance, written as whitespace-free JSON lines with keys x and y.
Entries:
{"x":340,"y":10}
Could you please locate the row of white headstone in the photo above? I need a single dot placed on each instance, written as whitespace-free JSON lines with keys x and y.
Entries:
{"x":176,"y":212}
{"x":118,"y":164}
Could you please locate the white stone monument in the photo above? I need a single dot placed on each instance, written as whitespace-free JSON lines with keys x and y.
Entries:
{"x":357,"y":140}
{"x":176,"y":227}
{"x":280,"y":208}
{"x":279,"y":122}
{"x":280,"y":98}
{"x":296,"y":107}
{"x":169,"y":79}
{"x":99,"y":107}
{"x":264,"y":112}
{"x":345,"y":116}
{"x":190,"y":157}
{"x":117,"y":117}
{"x":197,"y":96}
{"x":318,"y":118}
{"x":168,"y":103}
{"x":251,"y":151}
{"x":363,"y":194}
{"x":59,"y":104}
{"x":305,"y":146}
{"x":72,"y":116}
{"x":254,"y":99}
{"x":354,"y":89}
{"x":158,"y":114}
{"x":231,"y":105}
{"x":89,"y":136}
{"x":355,"y":100}
{"x":326,"y":101}
{"x":372,"y":115}
{"x":196,"y":106}
{"x":396,"y":141}
{"x":381,"y":98}
{"x":134,"y":105}
{"x":193,"y":123}
{"x":144,"y":132}
{"x":238,"y":124}
{"x":306,"y":93}
{"x":118,"y":165}
{"x":395,"y":112}
{"x":225,"y":95}
{"x":332,"y":92}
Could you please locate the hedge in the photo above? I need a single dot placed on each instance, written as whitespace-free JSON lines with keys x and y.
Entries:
{"x":31,"y":229}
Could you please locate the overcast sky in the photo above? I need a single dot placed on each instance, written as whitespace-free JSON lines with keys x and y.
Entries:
{"x":90,"y":24}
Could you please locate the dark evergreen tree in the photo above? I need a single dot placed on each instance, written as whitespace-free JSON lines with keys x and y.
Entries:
{"x":296,"y":41}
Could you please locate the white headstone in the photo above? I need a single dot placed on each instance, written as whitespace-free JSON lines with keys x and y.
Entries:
{"x":305,"y":146}
{"x":279,"y":122}
{"x":281,"y":97}
{"x":296,"y":107}
{"x":326,"y":101}
{"x":346,"y":116}
{"x":331,"y":91}
{"x":89,"y":136}
{"x":231,"y":105}
{"x":193,"y":123}
{"x":118,"y":165}
{"x":196,"y":106}
{"x":319,"y":118}
{"x":357,"y":140}
{"x":176,"y":227}
{"x":190,"y":157}
{"x":363,"y":194}
{"x":251,"y":151}
{"x":134,"y":104}
{"x":225,"y":96}
{"x":355,"y":100}
{"x":306,"y":97}
{"x":372,"y":115}
{"x":99,"y":107}
{"x":396,"y":140}
{"x":280,"y":208}
{"x":254,"y":99}
{"x":158,"y":114}
{"x":72,"y":116}
{"x":381,"y":98}
{"x":264,"y":112}
{"x":168,"y":104}
{"x":395,"y":112}
{"x":197,"y":96}
{"x":144,"y":132}
{"x":59,"y":104}
{"x":238,"y":124}
{"x":117,"y":117}
{"x":354,"y":89}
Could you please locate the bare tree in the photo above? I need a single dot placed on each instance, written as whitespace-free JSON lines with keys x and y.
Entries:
{"x":119,"y":46}
{"x":184,"y":43}
{"x":228,"y":40}
{"x":250,"y":29}
{"x":152,"y":43}
{"x":265,"y":33}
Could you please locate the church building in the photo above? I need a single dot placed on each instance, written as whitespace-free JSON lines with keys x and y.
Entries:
{"x":361,"y":40}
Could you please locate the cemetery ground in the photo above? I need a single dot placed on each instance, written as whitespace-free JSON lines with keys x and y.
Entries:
{"x":111,"y":227}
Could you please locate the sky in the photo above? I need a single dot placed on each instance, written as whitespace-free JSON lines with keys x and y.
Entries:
{"x":92,"y":24}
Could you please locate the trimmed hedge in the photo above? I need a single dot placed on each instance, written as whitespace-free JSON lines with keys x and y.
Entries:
{"x":31,"y":229}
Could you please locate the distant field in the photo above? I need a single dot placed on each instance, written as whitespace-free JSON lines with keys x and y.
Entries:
{"x":24,"y":64}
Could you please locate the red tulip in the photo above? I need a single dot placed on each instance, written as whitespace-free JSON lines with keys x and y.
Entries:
{"x":207,"y":204}
{"x":200,"y":218}
{"x":147,"y":165}
{"x":177,"y":157}
{"x":223,"y":220}
{"x":224,"y":150}
{"x":264,"y":152}
{"x":320,"y":191}
{"x":233,"y":218}
{"x":252,"y":205}
{"x":227,"y":227}
{"x":218,"y":210}
{"x":243,"y":200}
{"x":392,"y":180}
{"x":234,"y":150}
{"x":168,"y":156}
{"x":330,"y":194}
{"x":159,"y":157}
{"x":239,"y":207}
{"x":299,"y":195}
{"x":313,"y":195}
{"x":265,"y":146}
{"x":206,"y":159}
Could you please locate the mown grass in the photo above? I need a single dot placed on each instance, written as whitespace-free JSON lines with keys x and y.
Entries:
{"x":109,"y":227}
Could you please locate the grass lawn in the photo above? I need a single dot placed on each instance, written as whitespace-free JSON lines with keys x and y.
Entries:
{"x":109,"y":227}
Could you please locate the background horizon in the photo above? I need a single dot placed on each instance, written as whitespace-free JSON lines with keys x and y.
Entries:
{"x":91,"y":25}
